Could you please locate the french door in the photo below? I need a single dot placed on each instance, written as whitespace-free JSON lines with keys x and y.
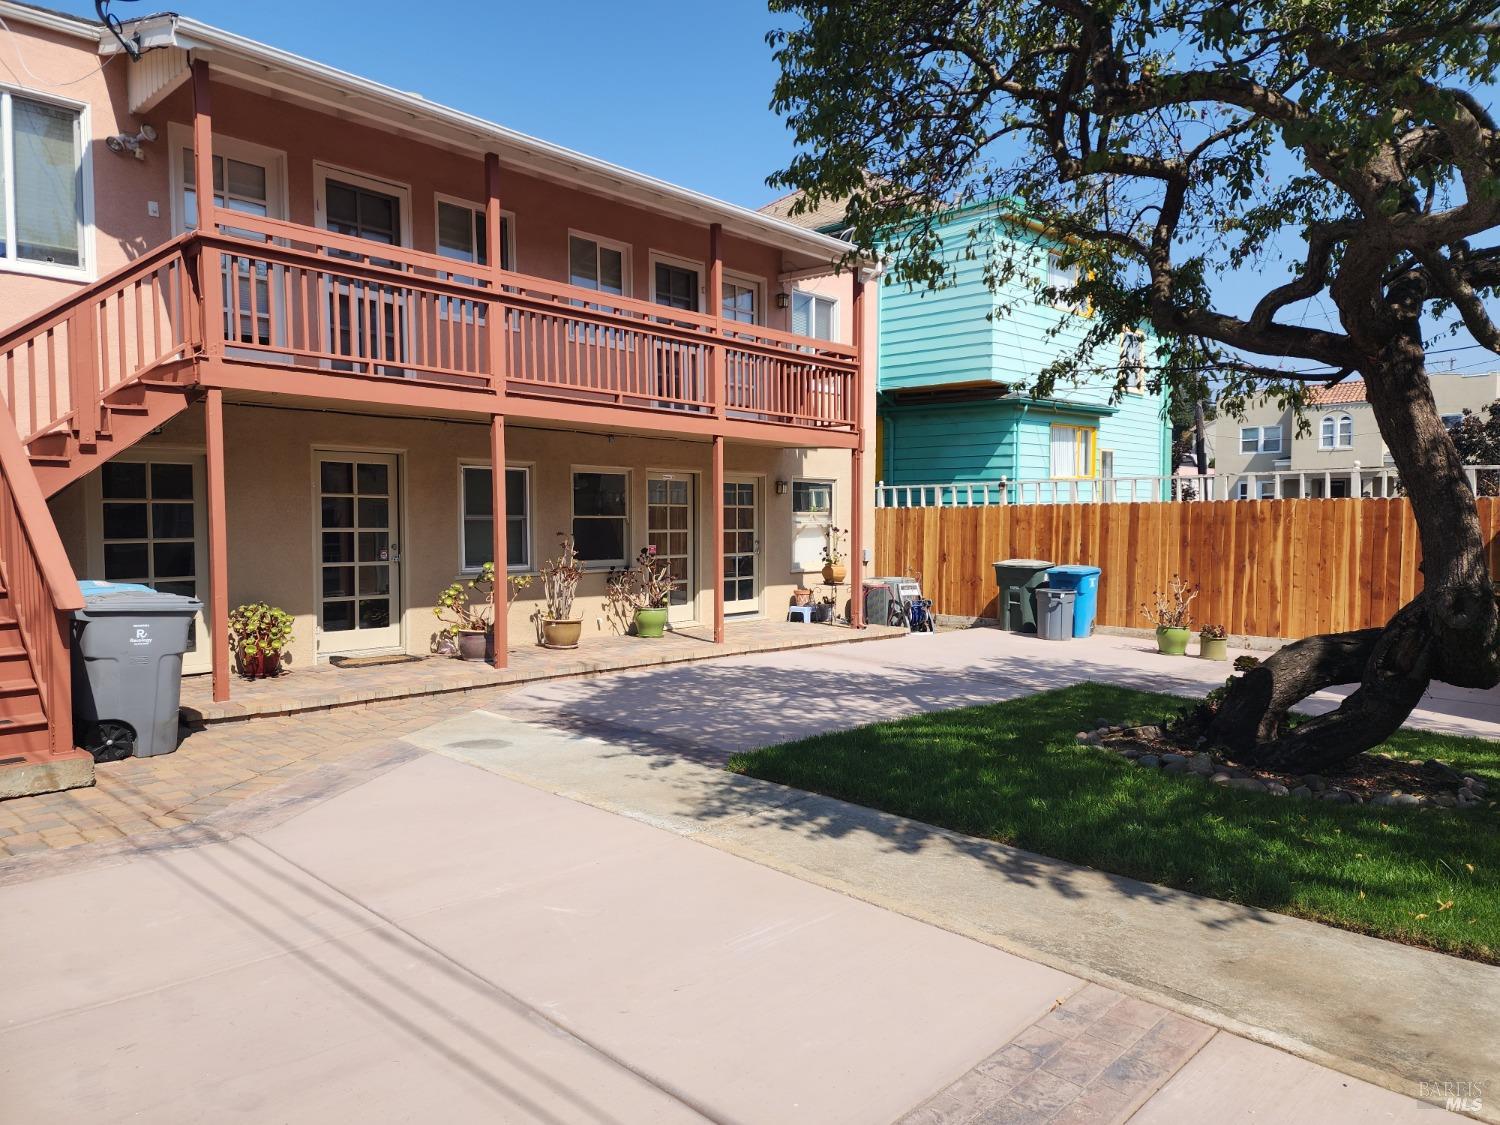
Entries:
{"x":366,"y":320}
{"x":741,"y":576}
{"x":670,"y":532}
{"x":358,"y":587}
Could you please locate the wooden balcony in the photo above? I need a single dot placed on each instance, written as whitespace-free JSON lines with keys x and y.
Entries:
{"x":273,"y":307}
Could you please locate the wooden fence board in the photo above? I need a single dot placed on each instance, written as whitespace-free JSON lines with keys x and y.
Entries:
{"x":1282,"y":568}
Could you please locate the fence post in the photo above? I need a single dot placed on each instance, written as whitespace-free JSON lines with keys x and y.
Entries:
{"x":1356,"y":489}
{"x":1004,"y":491}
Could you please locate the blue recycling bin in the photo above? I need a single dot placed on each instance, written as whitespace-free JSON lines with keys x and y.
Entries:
{"x":1084,"y":582}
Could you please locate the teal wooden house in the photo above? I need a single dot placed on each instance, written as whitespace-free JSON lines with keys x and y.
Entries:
{"x":953,"y":409}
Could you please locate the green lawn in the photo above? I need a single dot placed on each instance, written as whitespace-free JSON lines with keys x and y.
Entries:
{"x":1013,"y":772}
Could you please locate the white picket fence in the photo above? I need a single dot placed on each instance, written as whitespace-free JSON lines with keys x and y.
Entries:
{"x":1280,"y":485}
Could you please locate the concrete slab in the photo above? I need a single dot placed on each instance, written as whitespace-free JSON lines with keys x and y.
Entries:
{"x":1361,"y":1004}
{"x":755,"y":995}
{"x":1232,"y":1081}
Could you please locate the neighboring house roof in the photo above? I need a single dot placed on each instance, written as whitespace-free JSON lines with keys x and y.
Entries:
{"x":827,"y":216}
{"x":1351,"y":390}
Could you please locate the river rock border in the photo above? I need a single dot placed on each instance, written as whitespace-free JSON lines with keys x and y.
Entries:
{"x":1468,"y":792}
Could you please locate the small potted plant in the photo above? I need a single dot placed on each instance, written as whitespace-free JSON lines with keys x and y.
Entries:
{"x":259,"y":634}
{"x":833,"y":556}
{"x":466,"y":610}
{"x":1170,"y":612}
{"x":641,"y":594}
{"x":823,"y":611}
{"x":560,"y":577}
{"x":1213,"y":643}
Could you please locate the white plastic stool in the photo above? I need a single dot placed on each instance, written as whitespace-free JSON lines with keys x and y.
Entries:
{"x":802,"y":613}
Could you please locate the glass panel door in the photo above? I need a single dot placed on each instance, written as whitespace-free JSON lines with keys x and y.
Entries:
{"x":741,"y":546}
{"x":367,"y":319}
{"x":151,"y":532}
{"x":247,"y":186}
{"x":669,"y":529}
{"x":358,"y":562}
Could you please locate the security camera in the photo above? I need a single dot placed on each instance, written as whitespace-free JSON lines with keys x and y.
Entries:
{"x":125,"y":142}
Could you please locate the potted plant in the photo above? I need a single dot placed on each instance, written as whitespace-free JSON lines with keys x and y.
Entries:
{"x":466,"y":610}
{"x":1171,"y":614}
{"x":560,"y":575}
{"x":641,"y":594}
{"x":833,"y":556}
{"x":823,"y":611}
{"x":1213,"y":643}
{"x":259,"y":634}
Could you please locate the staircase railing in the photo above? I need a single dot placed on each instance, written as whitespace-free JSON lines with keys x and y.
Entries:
{"x":40,"y":583}
{"x":57,"y":366}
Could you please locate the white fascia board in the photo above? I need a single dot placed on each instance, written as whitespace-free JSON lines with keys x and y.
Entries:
{"x":523,"y":150}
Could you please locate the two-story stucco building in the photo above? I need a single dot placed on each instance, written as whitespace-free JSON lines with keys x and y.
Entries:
{"x":1265,"y":454}
{"x":298,"y":387}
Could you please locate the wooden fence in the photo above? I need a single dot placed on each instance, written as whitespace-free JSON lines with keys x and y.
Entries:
{"x":1270,"y":568}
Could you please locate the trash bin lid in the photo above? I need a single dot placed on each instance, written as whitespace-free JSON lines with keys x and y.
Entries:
{"x":131,"y":597}
{"x":1038,"y":564}
{"x":1075,"y":571}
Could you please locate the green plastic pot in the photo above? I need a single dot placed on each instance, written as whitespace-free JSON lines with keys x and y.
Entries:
{"x":650,"y":622}
{"x":1213,"y":648}
{"x":1172,"y":642}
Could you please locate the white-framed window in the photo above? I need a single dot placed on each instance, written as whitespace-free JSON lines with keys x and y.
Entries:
{"x":1133,"y":361}
{"x":812,"y":516}
{"x":742,"y":300}
{"x":477,"y":516}
{"x":1073,"y":452}
{"x":44,"y":188}
{"x":1336,"y":432}
{"x":596,"y":263}
{"x":1264,"y":490}
{"x":461,"y":233}
{"x":601,"y":516}
{"x":676,"y":282}
{"x":1450,"y":421}
{"x":814,"y":315}
{"x":1260,"y":439}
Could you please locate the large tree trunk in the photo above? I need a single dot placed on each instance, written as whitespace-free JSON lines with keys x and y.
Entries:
{"x":1448,"y":632}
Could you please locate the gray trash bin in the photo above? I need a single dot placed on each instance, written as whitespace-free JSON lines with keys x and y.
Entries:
{"x":1054,"y":613}
{"x":128,"y":642}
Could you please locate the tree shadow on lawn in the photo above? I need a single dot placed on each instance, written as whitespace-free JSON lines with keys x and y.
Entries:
{"x":1049,"y":796}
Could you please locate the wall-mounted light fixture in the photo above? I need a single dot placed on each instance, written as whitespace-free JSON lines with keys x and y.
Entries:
{"x":783,"y":299}
{"x":122,"y":143}
{"x":781,"y":487}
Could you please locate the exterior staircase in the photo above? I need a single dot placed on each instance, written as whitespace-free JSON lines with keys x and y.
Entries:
{"x":81,"y":382}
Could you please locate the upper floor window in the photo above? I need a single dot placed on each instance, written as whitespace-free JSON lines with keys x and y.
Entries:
{"x":593,"y":264}
{"x":1260,"y":439}
{"x":1133,"y":360}
{"x":741,"y":301}
{"x":41,"y":183}
{"x":675,"y":286}
{"x":813,"y":315}
{"x":461,"y":234}
{"x":1062,"y":275}
{"x":1336,"y":432}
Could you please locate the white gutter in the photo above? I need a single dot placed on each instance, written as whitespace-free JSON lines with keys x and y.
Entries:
{"x":170,"y":30}
{"x":52,"y":21}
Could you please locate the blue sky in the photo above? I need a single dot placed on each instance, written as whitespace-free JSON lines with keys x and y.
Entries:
{"x":673,"y":88}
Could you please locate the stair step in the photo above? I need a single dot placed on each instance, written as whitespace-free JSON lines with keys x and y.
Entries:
{"x":18,"y":687}
{"x":31,"y":720}
{"x":12,"y":652}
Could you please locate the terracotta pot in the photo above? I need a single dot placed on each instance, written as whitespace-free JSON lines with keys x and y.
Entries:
{"x":834,"y":573}
{"x":561,"y":634}
{"x":651,"y":622}
{"x":260,"y":666}
{"x":1172,"y":642}
{"x":473,"y":645}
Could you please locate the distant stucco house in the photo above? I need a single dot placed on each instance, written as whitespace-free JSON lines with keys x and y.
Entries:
{"x":1342,"y":454}
{"x":952,"y":364}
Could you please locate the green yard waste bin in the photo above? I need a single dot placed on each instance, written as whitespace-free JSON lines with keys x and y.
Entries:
{"x":1016,"y":579}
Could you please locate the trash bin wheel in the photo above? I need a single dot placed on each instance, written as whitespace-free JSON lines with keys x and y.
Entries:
{"x":109,"y":740}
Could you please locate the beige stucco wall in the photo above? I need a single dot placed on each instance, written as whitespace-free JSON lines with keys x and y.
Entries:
{"x":271,"y":501}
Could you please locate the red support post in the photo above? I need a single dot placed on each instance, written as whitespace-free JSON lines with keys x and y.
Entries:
{"x":494,"y":243}
{"x":857,"y":491}
{"x":210,"y":273}
{"x":502,"y":586}
{"x":716,"y":499}
{"x":714,"y":300}
{"x":218,"y":543}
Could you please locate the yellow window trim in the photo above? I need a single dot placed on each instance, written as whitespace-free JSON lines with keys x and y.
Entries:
{"x":1082,"y":436}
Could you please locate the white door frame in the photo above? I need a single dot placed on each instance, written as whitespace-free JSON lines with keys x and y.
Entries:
{"x":686,"y":613}
{"x":753,"y":606}
{"x":200,"y":659}
{"x":390,"y":638}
